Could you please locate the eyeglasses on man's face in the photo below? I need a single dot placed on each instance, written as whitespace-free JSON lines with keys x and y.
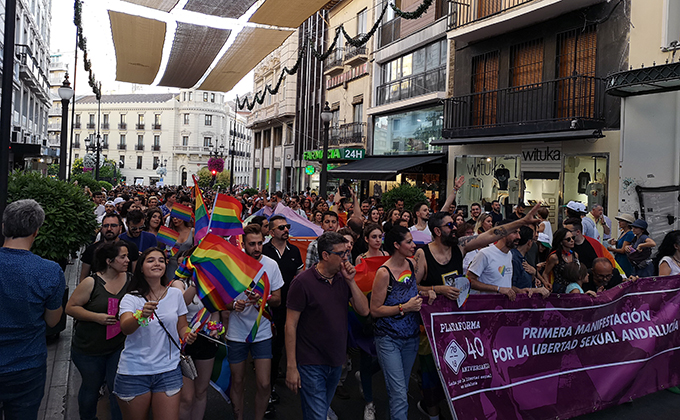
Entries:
{"x":283,"y":227}
{"x":110,"y":225}
{"x":341,"y":254}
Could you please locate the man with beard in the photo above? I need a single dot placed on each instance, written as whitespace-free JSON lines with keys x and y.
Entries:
{"x":437,"y":265}
{"x":491,"y":270}
{"x":112,"y":226}
{"x":422,"y":213}
{"x":241,"y":320}
{"x":290,"y":263}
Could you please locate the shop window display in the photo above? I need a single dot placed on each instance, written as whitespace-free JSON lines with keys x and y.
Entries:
{"x":585,"y":180}
{"x":488,"y":179}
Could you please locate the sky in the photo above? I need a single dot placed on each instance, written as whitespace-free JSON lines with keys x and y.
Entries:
{"x":97,"y":30}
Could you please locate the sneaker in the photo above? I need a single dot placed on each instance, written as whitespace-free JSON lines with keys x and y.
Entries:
{"x":274,"y":397}
{"x":361,"y":388}
{"x":422,"y":410}
{"x":330,"y":415}
{"x":270,"y":412}
{"x":341,"y":392}
{"x":369,"y":411}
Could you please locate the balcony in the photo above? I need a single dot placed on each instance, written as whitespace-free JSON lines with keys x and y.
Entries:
{"x":412,"y":86}
{"x":332,"y":65}
{"x":348,"y":134}
{"x":91,"y":126}
{"x":156,"y":147}
{"x":78,"y":125}
{"x":140,"y":126}
{"x":569,"y":104}
{"x":76,"y":144}
{"x":105,"y":146}
{"x":139,"y":147}
{"x":389,"y":32}
{"x":156,"y":126}
{"x":30,"y":71}
{"x":356,"y":55}
{"x":105,"y":126}
{"x":122,"y":126}
{"x":122,"y":147}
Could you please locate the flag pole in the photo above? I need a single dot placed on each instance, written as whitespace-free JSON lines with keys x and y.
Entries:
{"x":213,"y":208}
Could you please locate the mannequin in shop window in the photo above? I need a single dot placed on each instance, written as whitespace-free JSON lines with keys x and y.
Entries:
{"x":583,"y":181}
{"x":595,"y":190}
{"x":502,"y":174}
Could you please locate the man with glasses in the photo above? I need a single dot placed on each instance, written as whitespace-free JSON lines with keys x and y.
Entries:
{"x":316,"y":325}
{"x":112,"y":226}
{"x":603,"y":276}
{"x":136,"y":235}
{"x":437,"y":265}
{"x":244,"y":314}
{"x":295,"y":206}
{"x":290,"y":263}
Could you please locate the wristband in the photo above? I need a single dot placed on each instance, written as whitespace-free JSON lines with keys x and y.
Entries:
{"x":401,"y":310}
{"x":142,"y":321}
{"x":498,"y":289}
{"x":216,"y":326}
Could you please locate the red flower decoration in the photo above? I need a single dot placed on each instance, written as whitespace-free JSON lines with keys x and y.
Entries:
{"x":216,"y":164}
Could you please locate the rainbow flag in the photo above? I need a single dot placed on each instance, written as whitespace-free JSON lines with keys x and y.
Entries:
{"x":366,"y":270}
{"x":226,"y":216}
{"x":221,"y":272}
{"x":202,"y":220}
{"x":261,"y":289}
{"x":167,"y":235}
{"x":182,"y":212}
{"x":199,"y":320}
{"x":221,"y":374}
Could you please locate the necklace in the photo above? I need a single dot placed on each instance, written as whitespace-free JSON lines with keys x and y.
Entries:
{"x":321,"y":274}
{"x":156,"y":297}
{"x":677,"y":262}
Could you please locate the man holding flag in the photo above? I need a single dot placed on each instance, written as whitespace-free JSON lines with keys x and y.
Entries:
{"x":245,"y":314}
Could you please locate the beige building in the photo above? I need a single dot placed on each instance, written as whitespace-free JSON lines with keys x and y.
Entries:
{"x":146,"y":132}
{"x":272,"y":122}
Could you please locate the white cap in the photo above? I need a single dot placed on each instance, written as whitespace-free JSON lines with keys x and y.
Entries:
{"x":576,"y":206}
{"x":118,"y":200}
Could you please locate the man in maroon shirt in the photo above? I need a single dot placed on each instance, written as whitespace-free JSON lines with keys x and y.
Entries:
{"x":316,"y":324}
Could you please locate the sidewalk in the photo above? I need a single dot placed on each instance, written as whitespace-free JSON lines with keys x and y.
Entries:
{"x":61,"y":387}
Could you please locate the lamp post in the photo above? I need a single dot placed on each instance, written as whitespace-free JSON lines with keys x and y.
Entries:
{"x":96,"y":148}
{"x":215,"y":152}
{"x":65,"y":93}
{"x":326,"y":117}
{"x":233,"y":152}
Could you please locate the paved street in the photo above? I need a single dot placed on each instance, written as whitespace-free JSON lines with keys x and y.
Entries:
{"x":63,"y":380}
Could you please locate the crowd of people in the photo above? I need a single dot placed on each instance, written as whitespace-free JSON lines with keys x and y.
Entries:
{"x":132,"y":312}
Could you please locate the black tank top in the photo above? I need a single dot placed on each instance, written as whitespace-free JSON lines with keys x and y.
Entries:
{"x":437,"y":273}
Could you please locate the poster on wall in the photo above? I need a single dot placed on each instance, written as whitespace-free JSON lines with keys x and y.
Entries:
{"x":557,"y":357}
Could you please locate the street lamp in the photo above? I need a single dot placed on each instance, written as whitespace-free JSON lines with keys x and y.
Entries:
{"x":96,"y":148}
{"x":65,"y":93}
{"x":326,"y":117}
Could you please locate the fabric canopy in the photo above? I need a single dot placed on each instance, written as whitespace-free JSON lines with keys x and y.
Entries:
{"x":164,"y":5}
{"x":383,"y":168}
{"x":138,"y":42}
{"x":221,"y":8}
{"x":250,"y":47}
{"x":286,"y":13}
{"x":193,"y":50}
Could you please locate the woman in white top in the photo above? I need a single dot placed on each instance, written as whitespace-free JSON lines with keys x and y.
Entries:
{"x":152,"y":316}
{"x":668,"y":258}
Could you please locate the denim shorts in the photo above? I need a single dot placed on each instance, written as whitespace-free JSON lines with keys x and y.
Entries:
{"x":127,"y":387}
{"x":238,"y":352}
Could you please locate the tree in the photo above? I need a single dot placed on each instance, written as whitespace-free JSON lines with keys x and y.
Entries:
{"x":410,"y":194}
{"x":205,"y":177}
{"x":77,"y":167}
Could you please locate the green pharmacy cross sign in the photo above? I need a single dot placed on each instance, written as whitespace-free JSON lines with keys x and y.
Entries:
{"x":337,"y":154}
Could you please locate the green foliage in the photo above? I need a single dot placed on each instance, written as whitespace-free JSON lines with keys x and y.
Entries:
{"x":86,"y":180}
{"x":108,"y":169}
{"x":77,"y":167}
{"x":410,"y":194}
{"x":69,"y":213}
{"x":250,"y":191}
{"x":106,"y":185}
{"x":205,"y":177}
{"x":53,"y":169}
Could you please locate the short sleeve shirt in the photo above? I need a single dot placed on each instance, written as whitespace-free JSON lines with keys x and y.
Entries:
{"x":143,"y":242}
{"x":290,"y":262}
{"x":322,"y":328}
{"x":241,"y":323}
{"x":493,"y":266}
{"x":28,"y":285}
{"x":88,"y":254}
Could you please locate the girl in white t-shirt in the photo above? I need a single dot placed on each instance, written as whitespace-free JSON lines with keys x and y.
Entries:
{"x":669,"y":254}
{"x":152,"y":316}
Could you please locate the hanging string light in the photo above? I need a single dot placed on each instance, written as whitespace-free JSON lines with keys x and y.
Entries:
{"x":82,"y":44}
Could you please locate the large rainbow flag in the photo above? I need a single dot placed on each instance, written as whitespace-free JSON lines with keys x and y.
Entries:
{"x":182,"y":212}
{"x":201,"y":214}
{"x":221,"y":272}
{"x":167,"y":236}
{"x":226,"y":216}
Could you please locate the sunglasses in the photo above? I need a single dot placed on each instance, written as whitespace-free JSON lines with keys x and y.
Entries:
{"x":283,"y":227}
{"x":569,"y":239}
{"x":110,"y":225}
{"x":135,"y":229}
{"x":449,"y":225}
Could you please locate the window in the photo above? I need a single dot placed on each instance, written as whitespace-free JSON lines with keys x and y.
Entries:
{"x":77,"y":120}
{"x":410,"y":132}
{"x":122,"y":118}
{"x":105,"y":140}
{"x":208,"y":119}
{"x":155,"y":162}
{"x":184,"y":96}
{"x":139,"y":162}
{"x":140,"y":119}
{"x":207,"y":141}
{"x":358,"y":112}
{"x":156,"y":141}
{"x":122,"y":139}
{"x":191,"y":96}
{"x":671,"y":23}
{"x":140,"y":140}
{"x":186,"y":119}
{"x":484,"y":82}
{"x":157,"y":119}
{"x":205,"y":96}
{"x":92,"y":119}
{"x":361,"y":21}
{"x":526,"y":63}
{"x":106,"y":120}
{"x":185,"y":140}
{"x":212,"y":97}
{"x":121,"y":161}
{"x":76,"y":156}
{"x":576,"y":58}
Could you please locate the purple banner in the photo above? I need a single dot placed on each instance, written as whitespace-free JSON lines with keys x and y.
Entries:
{"x":559,"y":357}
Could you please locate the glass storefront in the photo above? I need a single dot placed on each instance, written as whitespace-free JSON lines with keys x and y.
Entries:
{"x":408,"y":133}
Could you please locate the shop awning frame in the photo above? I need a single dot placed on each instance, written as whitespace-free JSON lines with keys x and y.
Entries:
{"x":547,"y":136}
{"x":382,"y":168}
{"x":644,"y":81}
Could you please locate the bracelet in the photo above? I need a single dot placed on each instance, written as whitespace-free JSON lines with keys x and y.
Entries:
{"x":498,"y":289}
{"x":216,"y":326}
{"x":401,"y":310}
{"x":142,"y":321}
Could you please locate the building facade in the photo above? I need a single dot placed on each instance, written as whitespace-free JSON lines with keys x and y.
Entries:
{"x":145,"y":132}
{"x":31,"y":93}
{"x":240,"y":140}
{"x":272,"y":122}
{"x":528,"y":119}
{"x":406,"y":68}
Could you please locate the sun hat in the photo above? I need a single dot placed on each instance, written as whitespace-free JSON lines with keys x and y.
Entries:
{"x":625,"y":217}
{"x":576,"y":206}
